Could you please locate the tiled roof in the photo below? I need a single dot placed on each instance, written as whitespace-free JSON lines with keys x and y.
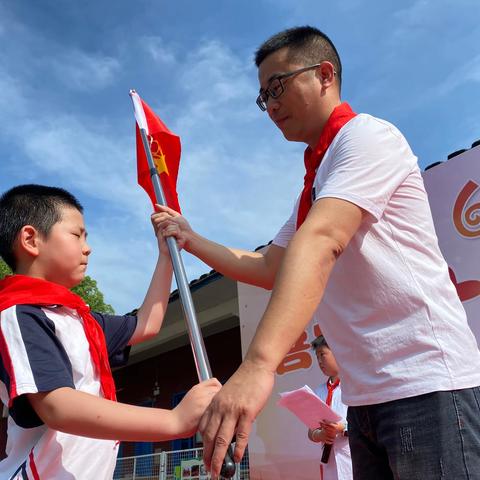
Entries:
{"x":453,"y":154}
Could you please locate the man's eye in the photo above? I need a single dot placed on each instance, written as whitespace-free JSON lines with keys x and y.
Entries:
{"x":275,"y":89}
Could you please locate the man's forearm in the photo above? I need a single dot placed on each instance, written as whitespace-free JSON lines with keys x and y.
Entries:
{"x":241,"y":265}
{"x":298,"y":290}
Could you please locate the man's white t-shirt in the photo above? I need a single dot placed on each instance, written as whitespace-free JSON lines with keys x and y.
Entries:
{"x":390,"y":312}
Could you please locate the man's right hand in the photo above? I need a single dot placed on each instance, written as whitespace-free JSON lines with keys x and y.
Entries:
{"x":232,"y":411}
{"x":165,"y":217}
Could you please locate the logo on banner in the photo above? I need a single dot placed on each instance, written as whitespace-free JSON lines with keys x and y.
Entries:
{"x":466,"y":290}
{"x":466,"y":216}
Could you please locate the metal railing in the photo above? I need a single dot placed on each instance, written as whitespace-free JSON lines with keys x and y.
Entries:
{"x":173,"y":465}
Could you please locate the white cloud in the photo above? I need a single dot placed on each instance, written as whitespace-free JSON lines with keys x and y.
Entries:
{"x":4,"y":18}
{"x":12,"y":101}
{"x":216,"y":71}
{"x":469,"y":72}
{"x":158,"y":50}
{"x":413,"y":16}
{"x":236,"y":187}
{"x":426,"y":17}
{"x":122,"y":260}
{"x":81,"y":71}
{"x":73,"y":152}
{"x":95,"y":161}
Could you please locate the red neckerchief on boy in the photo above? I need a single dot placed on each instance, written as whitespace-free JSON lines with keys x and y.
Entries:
{"x":23,"y":290}
{"x":331,"y":387}
{"x":312,"y":158}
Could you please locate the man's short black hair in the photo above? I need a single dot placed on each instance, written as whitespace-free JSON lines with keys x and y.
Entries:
{"x":307,"y":45}
{"x":35,"y":205}
{"x":319,"y":342}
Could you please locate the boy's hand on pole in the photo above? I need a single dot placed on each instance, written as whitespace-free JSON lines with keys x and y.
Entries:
{"x":189,"y":411}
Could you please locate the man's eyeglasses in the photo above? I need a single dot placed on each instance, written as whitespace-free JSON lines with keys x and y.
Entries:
{"x":275,"y":88}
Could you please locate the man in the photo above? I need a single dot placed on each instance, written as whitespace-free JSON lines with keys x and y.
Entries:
{"x":359,"y":253}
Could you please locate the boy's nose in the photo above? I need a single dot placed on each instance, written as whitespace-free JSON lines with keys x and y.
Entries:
{"x":87,"y":250}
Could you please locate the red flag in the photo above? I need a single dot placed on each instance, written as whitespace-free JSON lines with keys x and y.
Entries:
{"x":165,"y":148}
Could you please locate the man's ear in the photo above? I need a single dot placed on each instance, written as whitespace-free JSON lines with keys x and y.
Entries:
{"x":28,"y":240}
{"x":326,"y":74}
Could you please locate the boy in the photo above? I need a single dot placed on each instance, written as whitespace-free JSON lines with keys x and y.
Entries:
{"x":339,"y":465}
{"x":55,"y":372}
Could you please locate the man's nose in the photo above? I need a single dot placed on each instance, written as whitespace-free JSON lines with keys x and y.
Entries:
{"x":272,"y":105}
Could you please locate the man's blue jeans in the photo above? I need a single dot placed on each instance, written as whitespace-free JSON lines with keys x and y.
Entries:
{"x":427,"y":437}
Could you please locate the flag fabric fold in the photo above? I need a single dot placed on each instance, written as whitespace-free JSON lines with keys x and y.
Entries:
{"x":165,"y":148}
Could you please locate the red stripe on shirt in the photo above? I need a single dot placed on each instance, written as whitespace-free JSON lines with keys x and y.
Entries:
{"x":33,"y":467}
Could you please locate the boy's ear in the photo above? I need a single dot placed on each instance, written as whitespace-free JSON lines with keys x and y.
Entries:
{"x":28,"y":240}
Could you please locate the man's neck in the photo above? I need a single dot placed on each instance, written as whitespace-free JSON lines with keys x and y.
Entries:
{"x":329,"y":106}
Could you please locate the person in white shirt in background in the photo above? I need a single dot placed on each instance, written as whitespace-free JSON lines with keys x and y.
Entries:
{"x":339,"y":464}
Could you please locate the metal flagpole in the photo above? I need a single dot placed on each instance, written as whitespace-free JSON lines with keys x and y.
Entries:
{"x":204,"y":371}
{"x":199,"y":353}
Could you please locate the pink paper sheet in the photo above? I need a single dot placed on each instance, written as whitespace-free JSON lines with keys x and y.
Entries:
{"x":308,"y":407}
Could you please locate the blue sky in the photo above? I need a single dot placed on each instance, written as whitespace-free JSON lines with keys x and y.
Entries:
{"x":66,"y":118}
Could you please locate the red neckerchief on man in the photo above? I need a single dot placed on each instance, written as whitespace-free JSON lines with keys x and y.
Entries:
{"x":331,"y":386}
{"x":312,"y":158}
{"x":24,"y":290}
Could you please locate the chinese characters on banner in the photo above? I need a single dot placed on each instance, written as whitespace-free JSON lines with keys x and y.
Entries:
{"x":301,"y":355}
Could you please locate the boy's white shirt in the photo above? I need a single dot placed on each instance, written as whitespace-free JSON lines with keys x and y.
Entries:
{"x":51,"y":453}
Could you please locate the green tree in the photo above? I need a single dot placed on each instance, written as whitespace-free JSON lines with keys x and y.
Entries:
{"x":88,"y":290}
{"x":4,"y":269}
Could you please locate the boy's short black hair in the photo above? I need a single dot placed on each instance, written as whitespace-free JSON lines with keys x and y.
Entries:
{"x":307,"y":45}
{"x":319,"y":342}
{"x":35,"y":205}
